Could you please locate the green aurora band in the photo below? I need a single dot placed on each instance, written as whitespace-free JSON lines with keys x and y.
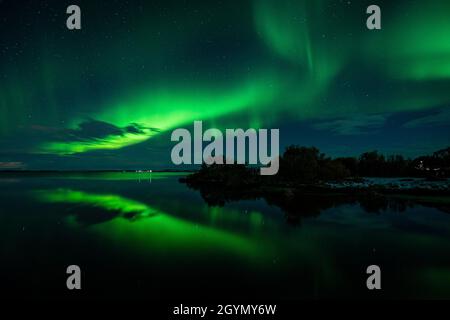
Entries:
{"x":304,"y":47}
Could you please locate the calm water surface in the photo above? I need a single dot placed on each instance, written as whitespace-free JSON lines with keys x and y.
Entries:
{"x":147,"y":235}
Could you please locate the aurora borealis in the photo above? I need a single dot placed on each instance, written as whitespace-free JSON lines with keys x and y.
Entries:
{"x":108,"y":96}
{"x":159,"y":229}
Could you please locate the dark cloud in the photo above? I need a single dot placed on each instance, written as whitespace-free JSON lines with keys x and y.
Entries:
{"x":137,"y":128}
{"x":434,"y":118}
{"x":358,"y":124}
{"x":92,"y":129}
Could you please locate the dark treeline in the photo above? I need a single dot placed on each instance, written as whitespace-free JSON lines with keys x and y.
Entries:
{"x":308,"y":165}
{"x":298,"y":190}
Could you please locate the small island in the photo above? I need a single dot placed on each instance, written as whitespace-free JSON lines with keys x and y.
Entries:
{"x":309,"y":182}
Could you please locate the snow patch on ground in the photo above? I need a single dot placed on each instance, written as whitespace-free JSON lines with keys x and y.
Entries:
{"x":394,"y":183}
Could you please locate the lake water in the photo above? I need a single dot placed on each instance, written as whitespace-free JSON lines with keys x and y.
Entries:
{"x":149,"y":236}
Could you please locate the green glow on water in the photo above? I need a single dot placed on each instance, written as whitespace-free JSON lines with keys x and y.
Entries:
{"x":318,"y":254}
{"x":437,"y":278}
{"x":110,"y":202}
{"x":121,"y":176}
{"x":152,"y":228}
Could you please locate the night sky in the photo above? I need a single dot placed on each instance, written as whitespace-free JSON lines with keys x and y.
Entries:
{"x":109,"y":95}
